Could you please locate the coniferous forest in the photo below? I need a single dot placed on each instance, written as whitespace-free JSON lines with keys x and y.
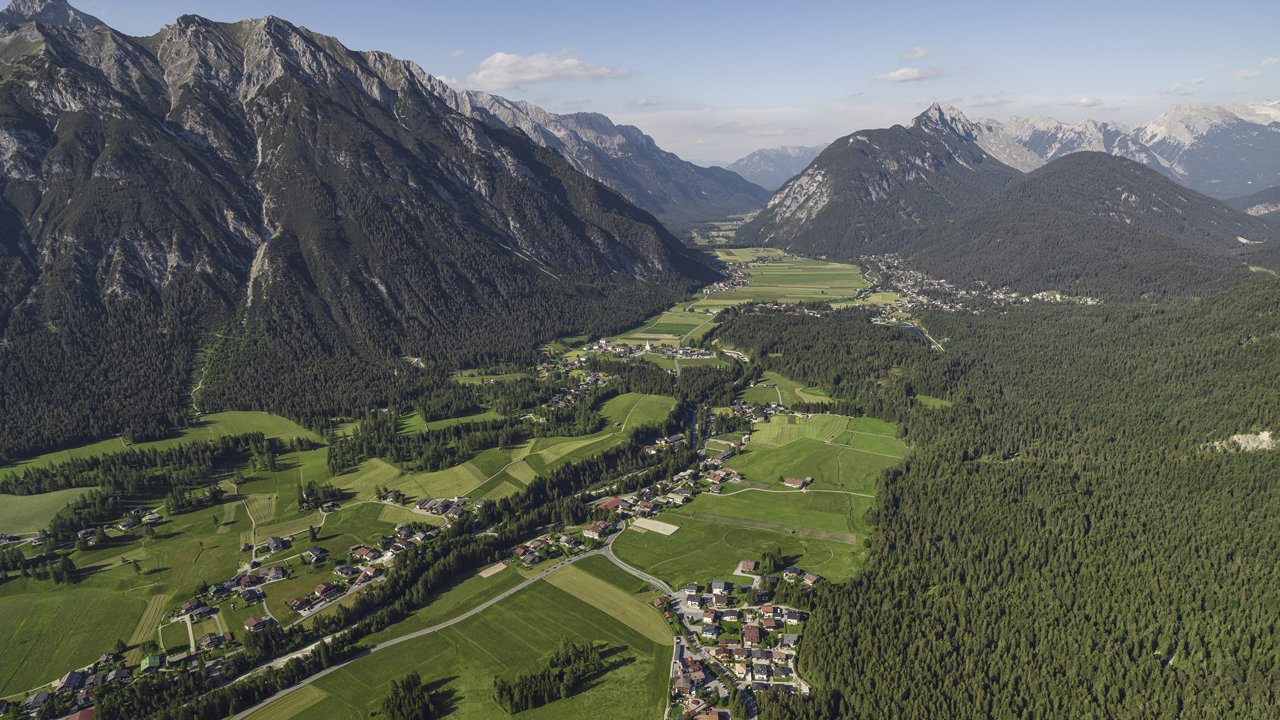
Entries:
{"x":1066,"y":540}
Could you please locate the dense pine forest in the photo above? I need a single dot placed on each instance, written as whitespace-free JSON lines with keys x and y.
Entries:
{"x":1065,"y":540}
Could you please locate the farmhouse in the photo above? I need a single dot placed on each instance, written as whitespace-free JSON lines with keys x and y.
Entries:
{"x":365,"y":553}
{"x":797,"y":483}
{"x":326,"y":591}
{"x":256,"y":623}
{"x":811,"y":579}
{"x":71,"y":682}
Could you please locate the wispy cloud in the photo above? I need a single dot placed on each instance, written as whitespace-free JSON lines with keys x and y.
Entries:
{"x":912,"y":74}
{"x":916,"y":53}
{"x":1182,"y":88}
{"x":505,"y":71}
{"x":647,"y":102}
{"x":1084,"y":102}
{"x":457,"y":52}
{"x":1245,"y":74}
{"x":1271,"y":61}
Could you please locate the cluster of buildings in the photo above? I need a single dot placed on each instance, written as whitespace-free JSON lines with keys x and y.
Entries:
{"x":556,"y":544}
{"x":652,"y":499}
{"x":569,"y":395}
{"x":75,"y":690}
{"x":751,"y":645}
{"x":451,"y":509}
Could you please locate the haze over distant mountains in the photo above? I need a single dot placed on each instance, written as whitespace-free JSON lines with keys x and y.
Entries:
{"x":771,"y":167}
{"x":1223,"y":152}
{"x":1083,"y":222}
{"x":677,"y":192}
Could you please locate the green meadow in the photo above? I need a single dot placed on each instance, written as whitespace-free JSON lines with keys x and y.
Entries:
{"x":786,"y":391}
{"x":210,"y":427}
{"x":716,"y":533}
{"x":507,"y":639}
{"x":838,"y":452}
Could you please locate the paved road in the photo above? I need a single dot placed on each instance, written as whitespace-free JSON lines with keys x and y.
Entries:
{"x":434,"y":628}
{"x":608,"y":551}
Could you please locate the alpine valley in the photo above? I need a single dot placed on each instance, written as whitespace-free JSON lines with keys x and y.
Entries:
{"x":332,"y":388}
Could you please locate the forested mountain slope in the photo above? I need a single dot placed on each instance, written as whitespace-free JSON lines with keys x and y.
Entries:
{"x":677,"y":192}
{"x":868,"y":189}
{"x":1099,"y":225}
{"x":302,"y":214}
{"x":1265,"y":204}
{"x":1064,"y":542}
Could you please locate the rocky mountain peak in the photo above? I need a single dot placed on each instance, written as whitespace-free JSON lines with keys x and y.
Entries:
{"x":48,"y":12}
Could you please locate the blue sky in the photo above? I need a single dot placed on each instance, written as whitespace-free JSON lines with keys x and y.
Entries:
{"x":712,"y":81}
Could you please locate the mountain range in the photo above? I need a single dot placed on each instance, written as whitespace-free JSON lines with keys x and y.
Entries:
{"x":679,"y":193}
{"x":254,"y":211}
{"x":771,"y":167}
{"x":1085,"y":222}
{"x":1223,"y":152}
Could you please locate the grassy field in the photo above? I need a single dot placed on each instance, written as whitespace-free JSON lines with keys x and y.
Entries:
{"x":507,"y":639}
{"x":453,"y":601}
{"x":789,"y":280}
{"x":63,"y":627}
{"x":933,"y":402}
{"x":210,"y":427}
{"x":413,"y":423}
{"x":710,"y":543}
{"x":787,"y":391}
{"x":838,"y":452}
{"x":497,"y":472}
{"x":47,"y":632}
{"x":21,"y":514}
{"x":475,"y":377}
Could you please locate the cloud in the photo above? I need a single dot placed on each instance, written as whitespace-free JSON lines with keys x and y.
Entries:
{"x":1245,"y":74}
{"x":647,"y":102}
{"x":912,"y":74}
{"x":1271,"y":61}
{"x":1084,"y":102}
{"x":916,"y":53}
{"x":457,"y":52}
{"x":505,"y":71}
{"x":1182,"y":88}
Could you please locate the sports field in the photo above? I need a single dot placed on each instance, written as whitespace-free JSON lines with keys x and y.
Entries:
{"x":505,"y":640}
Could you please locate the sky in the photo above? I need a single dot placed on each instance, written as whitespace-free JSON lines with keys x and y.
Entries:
{"x":713,"y":81}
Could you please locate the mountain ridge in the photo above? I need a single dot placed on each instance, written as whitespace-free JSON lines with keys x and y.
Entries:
{"x":623,"y":157}
{"x":301,"y":214}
